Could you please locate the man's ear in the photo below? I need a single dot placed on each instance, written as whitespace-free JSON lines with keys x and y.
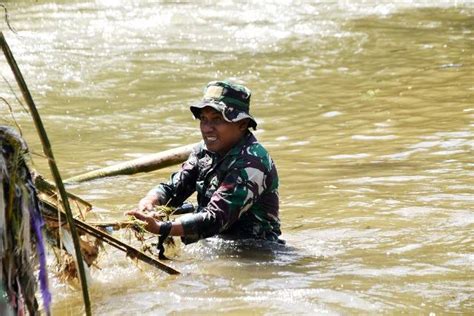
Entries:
{"x":244,"y":125}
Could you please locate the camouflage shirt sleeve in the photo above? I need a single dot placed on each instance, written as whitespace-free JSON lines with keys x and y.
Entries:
{"x":238,"y":191}
{"x":181,"y":184}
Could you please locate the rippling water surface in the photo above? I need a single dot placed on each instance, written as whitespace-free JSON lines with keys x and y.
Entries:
{"x":367,"y":107}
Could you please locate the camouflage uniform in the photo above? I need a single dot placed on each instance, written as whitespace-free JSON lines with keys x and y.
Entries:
{"x":237,"y":194}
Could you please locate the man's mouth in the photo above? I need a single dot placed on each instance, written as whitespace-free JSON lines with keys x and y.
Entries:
{"x":210,"y":138}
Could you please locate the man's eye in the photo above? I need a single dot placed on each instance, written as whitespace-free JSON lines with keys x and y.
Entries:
{"x":214,"y":121}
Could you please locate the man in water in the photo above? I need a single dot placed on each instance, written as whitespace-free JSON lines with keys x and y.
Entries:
{"x":235,"y":178}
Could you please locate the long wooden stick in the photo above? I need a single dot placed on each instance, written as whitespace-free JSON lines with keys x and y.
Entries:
{"x":130,"y":251}
{"x":52,"y":165}
{"x":114,"y":242}
{"x":143,"y":164}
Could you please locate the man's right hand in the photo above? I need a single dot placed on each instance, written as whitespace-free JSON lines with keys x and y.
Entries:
{"x":147,"y":203}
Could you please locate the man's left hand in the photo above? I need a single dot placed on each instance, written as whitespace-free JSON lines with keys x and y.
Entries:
{"x":151,"y":223}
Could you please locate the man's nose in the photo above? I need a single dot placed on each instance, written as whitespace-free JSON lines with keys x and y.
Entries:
{"x":207,"y":126}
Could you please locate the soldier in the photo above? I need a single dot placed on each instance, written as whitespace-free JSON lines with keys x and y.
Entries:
{"x":235,"y":178}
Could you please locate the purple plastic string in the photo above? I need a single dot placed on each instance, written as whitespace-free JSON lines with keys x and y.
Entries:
{"x":37,"y":223}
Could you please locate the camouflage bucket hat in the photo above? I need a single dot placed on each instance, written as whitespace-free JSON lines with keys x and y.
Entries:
{"x":232,"y":100}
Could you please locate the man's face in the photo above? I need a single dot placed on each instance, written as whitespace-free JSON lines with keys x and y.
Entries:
{"x":218,"y":134}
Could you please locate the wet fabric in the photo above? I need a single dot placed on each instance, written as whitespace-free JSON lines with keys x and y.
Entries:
{"x":237,"y":194}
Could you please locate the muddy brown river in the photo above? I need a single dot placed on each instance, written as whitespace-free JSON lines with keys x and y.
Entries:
{"x":367,"y":108}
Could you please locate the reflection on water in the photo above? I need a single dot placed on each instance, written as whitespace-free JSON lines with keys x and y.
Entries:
{"x":366,"y":109}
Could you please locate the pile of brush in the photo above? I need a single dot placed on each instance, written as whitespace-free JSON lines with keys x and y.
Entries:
{"x":29,"y":207}
{"x":58,"y":233}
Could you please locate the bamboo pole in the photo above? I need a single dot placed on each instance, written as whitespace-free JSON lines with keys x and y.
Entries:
{"x":143,"y":164}
{"x":52,"y":165}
